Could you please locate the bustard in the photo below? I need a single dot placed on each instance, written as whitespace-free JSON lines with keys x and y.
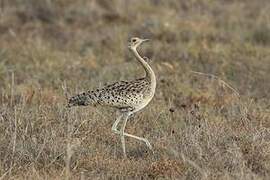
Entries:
{"x":127,"y":96}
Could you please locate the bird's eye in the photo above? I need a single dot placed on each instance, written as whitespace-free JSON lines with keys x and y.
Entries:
{"x":133,"y":40}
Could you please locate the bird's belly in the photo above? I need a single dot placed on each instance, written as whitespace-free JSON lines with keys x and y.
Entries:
{"x":142,"y":103}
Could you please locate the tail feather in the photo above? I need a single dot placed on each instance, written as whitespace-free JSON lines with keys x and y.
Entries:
{"x":83,"y":99}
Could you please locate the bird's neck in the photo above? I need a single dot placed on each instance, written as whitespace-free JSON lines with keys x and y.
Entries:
{"x":150,"y":75}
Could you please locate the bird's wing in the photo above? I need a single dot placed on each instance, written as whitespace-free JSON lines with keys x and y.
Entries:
{"x":122,"y":93}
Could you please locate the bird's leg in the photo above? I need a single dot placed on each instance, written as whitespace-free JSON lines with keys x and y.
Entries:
{"x":115,"y":130}
{"x":114,"y":127}
{"x":122,"y":134}
{"x":140,"y":139}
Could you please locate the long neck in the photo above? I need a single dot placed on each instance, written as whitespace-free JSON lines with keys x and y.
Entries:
{"x":148,"y":70}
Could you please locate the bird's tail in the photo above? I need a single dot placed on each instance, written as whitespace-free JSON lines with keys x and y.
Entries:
{"x":83,"y":99}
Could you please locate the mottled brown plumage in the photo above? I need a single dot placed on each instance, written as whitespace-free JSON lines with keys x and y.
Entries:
{"x":121,"y":95}
{"x":127,"y":96}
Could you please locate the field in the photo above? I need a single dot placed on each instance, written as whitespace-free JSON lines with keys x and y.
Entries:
{"x":209,"y":119}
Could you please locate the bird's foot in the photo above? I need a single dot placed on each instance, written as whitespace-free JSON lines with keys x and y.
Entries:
{"x":148,"y":144}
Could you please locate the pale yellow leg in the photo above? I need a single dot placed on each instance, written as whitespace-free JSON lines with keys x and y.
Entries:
{"x":122,"y":133}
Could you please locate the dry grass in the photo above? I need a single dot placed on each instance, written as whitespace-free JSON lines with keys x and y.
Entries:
{"x":200,"y":128}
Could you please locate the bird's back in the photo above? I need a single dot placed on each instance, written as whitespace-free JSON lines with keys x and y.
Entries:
{"x":133,"y":95}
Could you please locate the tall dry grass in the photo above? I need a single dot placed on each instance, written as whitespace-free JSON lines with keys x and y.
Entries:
{"x":198,"y":124}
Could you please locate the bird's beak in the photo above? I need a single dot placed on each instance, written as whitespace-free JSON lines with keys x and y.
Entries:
{"x":144,"y":40}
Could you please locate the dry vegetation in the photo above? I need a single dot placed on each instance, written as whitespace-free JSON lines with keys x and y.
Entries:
{"x":200,"y":128}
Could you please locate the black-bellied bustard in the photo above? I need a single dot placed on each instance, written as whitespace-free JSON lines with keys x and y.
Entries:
{"x":127,"y":96}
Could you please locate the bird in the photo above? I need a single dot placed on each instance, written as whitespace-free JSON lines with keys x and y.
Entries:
{"x":128,"y":97}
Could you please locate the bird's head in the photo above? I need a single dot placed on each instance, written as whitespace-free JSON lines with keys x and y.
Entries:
{"x":135,"y":42}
